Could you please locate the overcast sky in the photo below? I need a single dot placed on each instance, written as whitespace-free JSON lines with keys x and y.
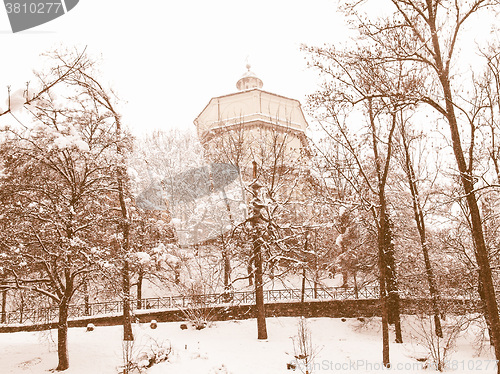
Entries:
{"x":166,"y":59}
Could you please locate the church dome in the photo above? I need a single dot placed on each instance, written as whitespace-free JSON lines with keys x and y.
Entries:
{"x":249,"y":81}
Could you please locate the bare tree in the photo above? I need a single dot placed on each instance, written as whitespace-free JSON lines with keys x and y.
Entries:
{"x":89,"y":86}
{"x":355,"y":83}
{"x":423,"y":37}
{"x":489,"y":88}
{"x":432,"y":29}
{"x":417,"y":205}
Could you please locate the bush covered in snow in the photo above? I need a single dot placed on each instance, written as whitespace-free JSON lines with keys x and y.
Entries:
{"x":156,"y":353}
{"x":149,"y":355}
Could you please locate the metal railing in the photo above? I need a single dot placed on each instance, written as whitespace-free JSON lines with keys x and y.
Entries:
{"x":47,"y":315}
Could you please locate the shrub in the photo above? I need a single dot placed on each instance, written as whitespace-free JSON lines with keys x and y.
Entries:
{"x":304,"y":349}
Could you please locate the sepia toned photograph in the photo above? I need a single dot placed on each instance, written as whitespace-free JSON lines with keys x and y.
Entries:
{"x":250,"y":187}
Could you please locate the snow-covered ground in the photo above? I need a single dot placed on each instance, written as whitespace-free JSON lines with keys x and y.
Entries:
{"x":232,"y":347}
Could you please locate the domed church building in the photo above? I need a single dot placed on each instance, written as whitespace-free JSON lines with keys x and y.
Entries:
{"x":253,"y":125}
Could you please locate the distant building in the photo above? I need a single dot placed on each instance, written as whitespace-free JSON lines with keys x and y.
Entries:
{"x":253,"y":125}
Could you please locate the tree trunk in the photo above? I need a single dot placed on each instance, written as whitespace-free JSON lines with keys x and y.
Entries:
{"x":467,"y":180}
{"x":481,"y":251}
{"x":345,"y":274}
{"x":484,"y":267}
{"x":225,"y":252}
{"x":257,"y":260}
{"x":419,"y":219}
{"x":127,"y":313}
{"x":387,"y":246}
{"x":259,"y":290}
{"x":433,"y":291}
{"x":384,"y":234}
{"x":139,"y":289}
{"x":124,"y":226}
{"x":21,"y":307}
{"x":250,"y":272}
{"x":177,"y":274}
{"x":86,"y":298}
{"x":345,"y":277}
{"x":316,"y":274}
{"x":4,"y":306}
{"x":303,"y":294}
{"x":227,"y":272}
{"x":480,"y":291}
{"x":384,"y":306}
{"x":355,"y":280}
{"x":62,"y":336}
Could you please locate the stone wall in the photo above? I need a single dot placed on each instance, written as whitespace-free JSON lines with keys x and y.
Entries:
{"x":332,"y":309}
